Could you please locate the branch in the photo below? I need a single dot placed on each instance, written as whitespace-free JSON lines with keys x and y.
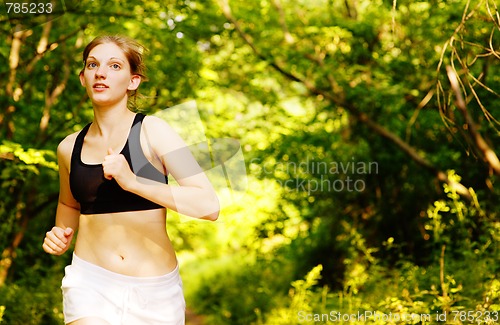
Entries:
{"x":288,"y":37}
{"x":50,"y":99}
{"x":44,"y":47}
{"x":7,"y":156}
{"x":419,"y":107}
{"x":14,"y":57}
{"x":494,"y":15}
{"x":489,"y":154}
{"x":351,"y":12}
{"x":444,"y":289}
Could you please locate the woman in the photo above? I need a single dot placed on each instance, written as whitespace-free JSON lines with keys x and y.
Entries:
{"x":113,"y":189}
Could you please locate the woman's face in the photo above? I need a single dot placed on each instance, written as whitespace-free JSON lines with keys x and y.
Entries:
{"x":107,"y":76}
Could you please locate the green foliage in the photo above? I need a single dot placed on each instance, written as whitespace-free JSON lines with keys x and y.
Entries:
{"x":22,"y":170}
{"x":235,"y":289}
{"x":40,"y":304}
{"x":29,"y":159}
{"x":303,"y":300}
{"x":411,"y":292}
{"x":453,"y":221}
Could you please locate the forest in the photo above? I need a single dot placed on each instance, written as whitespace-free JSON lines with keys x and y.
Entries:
{"x":354,"y":147}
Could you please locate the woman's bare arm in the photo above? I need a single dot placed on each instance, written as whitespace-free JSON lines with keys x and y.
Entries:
{"x":58,"y":239}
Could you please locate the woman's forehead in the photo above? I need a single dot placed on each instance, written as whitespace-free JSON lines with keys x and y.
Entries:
{"x":107,"y":51}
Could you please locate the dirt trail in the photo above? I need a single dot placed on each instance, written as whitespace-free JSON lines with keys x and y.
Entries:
{"x":194,"y":319}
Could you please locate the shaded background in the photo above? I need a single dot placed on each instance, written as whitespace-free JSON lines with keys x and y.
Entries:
{"x":370,"y":135}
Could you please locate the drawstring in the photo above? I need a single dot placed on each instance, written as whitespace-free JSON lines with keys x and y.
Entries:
{"x":133,"y":293}
{"x":140,"y":296}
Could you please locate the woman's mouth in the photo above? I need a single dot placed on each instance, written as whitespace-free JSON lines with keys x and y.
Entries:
{"x":99,"y":86}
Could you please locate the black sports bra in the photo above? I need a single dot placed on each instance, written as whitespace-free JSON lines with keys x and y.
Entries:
{"x":98,"y":195}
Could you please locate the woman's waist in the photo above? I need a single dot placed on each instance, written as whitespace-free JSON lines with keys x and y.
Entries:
{"x":127,"y":254}
{"x":124,"y":279}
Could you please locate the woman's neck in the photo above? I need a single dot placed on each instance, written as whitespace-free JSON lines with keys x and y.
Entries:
{"x":107,"y":122}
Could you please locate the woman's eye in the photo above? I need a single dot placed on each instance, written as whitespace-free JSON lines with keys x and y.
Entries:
{"x":115,"y":66}
{"x":91,"y":65}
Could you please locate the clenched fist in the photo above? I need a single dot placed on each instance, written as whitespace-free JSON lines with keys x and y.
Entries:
{"x":57,"y":240}
{"x":116,"y":166}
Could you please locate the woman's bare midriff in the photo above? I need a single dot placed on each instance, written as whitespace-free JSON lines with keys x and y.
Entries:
{"x":131,"y":243}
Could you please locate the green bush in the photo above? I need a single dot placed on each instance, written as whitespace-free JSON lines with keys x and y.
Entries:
{"x":237,"y":290}
{"x":461,"y":280}
{"x":24,"y":305}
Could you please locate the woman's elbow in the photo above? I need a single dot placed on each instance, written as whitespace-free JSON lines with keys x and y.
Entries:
{"x":211,"y":217}
{"x":212,"y":209}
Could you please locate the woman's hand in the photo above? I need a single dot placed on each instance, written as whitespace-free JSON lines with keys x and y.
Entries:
{"x":57,"y":240}
{"x":116,"y":166}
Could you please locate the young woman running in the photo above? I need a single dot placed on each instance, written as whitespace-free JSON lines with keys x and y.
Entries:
{"x":114,"y":190}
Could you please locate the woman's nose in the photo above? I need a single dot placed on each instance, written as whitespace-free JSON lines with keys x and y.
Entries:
{"x":100,"y":72}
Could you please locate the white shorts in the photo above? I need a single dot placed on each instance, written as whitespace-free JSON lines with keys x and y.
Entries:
{"x":92,"y":291}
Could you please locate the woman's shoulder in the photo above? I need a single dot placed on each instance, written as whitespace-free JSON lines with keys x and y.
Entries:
{"x":157,"y":126}
{"x":161,"y":134}
{"x":65,"y":147}
{"x":153,"y":121}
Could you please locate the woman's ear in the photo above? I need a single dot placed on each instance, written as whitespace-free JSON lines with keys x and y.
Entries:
{"x":82,"y":78}
{"x":135,"y":81}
